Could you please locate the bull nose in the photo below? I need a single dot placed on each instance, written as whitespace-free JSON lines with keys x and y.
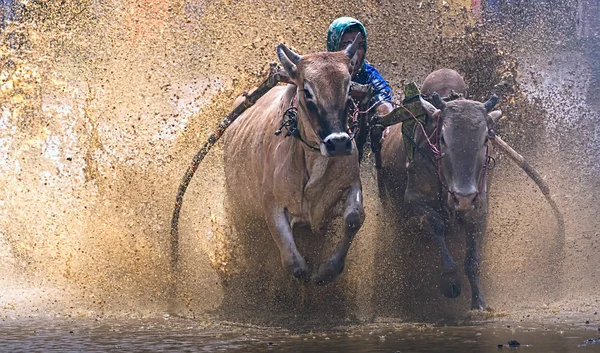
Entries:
{"x":337,"y":144}
{"x":462,"y":201}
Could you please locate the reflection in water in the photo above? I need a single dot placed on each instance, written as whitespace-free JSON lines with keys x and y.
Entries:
{"x":182,"y":335}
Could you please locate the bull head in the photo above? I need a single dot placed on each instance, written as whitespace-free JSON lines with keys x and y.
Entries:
{"x":464,"y":128}
{"x":323,"y":83}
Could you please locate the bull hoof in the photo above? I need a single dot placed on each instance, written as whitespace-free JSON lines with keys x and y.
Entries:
{"x":327,"y":272}
{"x":479,"y":304}
{"x":298,"y":268}
{"x":300,"y":273}
{"x":450,"y":285}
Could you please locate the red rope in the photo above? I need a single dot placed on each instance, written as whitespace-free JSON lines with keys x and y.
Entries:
{"x":434,"y":148}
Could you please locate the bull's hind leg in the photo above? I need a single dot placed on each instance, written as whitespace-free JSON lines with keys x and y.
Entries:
{"x":280,"y":229}
{"x":354,"y":215}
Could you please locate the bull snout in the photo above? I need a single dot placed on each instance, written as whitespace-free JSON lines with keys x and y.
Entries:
{"x":462,"y":201}
{"x":337,"y":144}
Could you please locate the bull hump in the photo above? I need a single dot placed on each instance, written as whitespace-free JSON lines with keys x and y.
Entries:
{"x":443,"y":81}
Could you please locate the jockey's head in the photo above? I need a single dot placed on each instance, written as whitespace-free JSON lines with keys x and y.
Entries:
{"x":342,"y":32}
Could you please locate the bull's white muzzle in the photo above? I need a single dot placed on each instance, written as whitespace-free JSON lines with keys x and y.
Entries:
{"x":337,"y":144}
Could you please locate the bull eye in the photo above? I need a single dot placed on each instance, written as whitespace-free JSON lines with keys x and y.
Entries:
{"x":307,"y":94}
{"x":442,"y":139}
{"x":312,"y":107}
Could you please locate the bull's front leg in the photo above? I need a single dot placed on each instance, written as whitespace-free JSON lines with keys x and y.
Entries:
{"x":432,"y":223}
{"x":354,"y":216}
{"x":474,"y":229}
{"x":282,"y":234}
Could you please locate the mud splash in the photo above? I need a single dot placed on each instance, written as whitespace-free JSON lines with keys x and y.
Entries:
{"x":105,"y":103}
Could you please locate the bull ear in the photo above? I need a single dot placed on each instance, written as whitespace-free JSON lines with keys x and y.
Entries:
{"x":351,"y":52}
{"x":429,"y":108}
{"x":496,"y":115}
{"x":491,"y":103}
{"x":438,"y":102}
{"x":288,"y":60}
{"x":353,"y":63}
{"x":491,"y":119}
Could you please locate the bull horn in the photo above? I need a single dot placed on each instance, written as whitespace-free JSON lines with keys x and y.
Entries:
{"x":288,"y":63}
{"x":491,"y":103}
{"x":438,"y":102}
{"x":430,"y":108}
{"x":535,"y":176}
{"x":352,"y":48}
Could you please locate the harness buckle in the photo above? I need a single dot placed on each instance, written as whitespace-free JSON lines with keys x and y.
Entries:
{"x":290,"y":123}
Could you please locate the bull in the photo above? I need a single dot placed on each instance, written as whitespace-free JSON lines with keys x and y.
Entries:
{"x":444,"y":184}
{"x":306,"y":180}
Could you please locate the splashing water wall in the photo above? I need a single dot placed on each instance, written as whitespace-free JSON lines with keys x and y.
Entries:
{"x":104,"y":103}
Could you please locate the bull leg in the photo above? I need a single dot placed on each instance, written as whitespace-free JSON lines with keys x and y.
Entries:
{"x":280,"y":229}
{"x":472,"y":260}
{"x":432,"y":223}
{"x":354,"y":215}
{"x":376,"y":133}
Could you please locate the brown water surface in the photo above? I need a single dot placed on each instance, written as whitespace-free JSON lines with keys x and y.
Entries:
{"x":60,"y":334}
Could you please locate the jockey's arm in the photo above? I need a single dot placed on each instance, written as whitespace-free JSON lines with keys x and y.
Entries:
{"x":382,"y":97}
{"x":382,"y":93}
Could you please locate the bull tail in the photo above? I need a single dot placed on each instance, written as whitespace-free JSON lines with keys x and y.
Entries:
{"x":276,"y":75}
{"x":187,"y":178}
{"x":536,"y":177}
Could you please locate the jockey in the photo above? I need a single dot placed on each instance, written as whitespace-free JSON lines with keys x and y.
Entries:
{"x":340,"y":34}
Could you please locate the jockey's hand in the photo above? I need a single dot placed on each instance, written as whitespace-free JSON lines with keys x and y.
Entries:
{"x":384,"y":109}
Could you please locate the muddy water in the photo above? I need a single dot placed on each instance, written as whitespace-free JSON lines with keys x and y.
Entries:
{"x":183,"y":335}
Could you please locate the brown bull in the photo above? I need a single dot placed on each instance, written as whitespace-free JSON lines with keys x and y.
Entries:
{"x":444,"y":184}
{"x":304,"y":180}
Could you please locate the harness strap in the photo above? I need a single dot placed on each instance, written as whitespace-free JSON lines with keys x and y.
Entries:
{"x":290,"y":123}
{"x":419,"y":149}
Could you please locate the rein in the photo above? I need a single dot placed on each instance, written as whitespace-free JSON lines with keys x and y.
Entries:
{"x":354,"y":121}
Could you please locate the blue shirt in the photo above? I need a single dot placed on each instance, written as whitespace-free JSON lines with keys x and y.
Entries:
{"x":381,"y":89}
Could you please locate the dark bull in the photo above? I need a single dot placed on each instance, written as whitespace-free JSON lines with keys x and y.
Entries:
{"x":444,"y":185}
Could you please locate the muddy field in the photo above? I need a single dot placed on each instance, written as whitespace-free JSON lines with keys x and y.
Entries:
{"x":104,"y":104}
